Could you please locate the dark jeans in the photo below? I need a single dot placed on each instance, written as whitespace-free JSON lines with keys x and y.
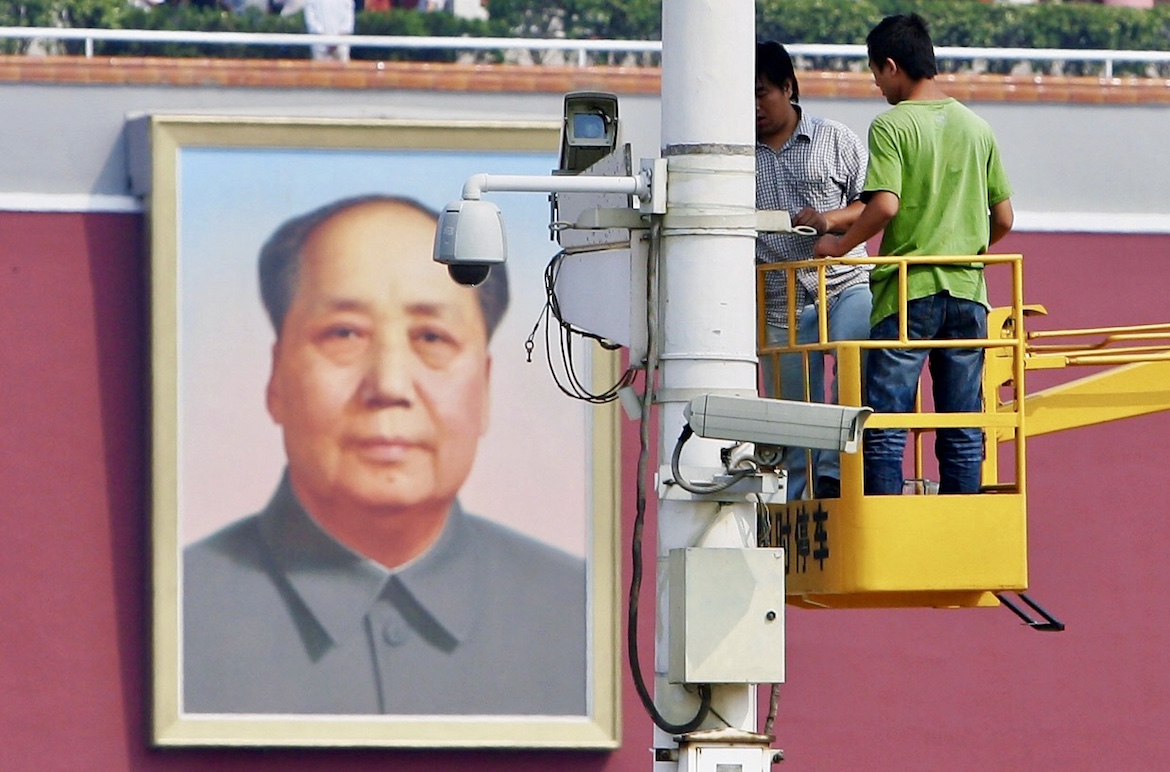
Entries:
{"x":848,"y":320}
{"x":956,"y":373}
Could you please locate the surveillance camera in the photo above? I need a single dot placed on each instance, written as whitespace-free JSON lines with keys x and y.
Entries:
{"x":469,"y":240}
{"x":778,"y":422}
{"x":590,"y":130}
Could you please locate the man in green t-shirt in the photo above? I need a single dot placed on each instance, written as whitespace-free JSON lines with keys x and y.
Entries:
{"x":935,"y":186}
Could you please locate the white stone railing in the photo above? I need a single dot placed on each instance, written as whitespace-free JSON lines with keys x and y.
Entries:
{"x":579,"y":50}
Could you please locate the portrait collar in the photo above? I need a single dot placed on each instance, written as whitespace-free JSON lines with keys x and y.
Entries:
{"x":338,"y":586}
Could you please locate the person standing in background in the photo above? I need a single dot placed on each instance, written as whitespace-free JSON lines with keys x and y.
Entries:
{"x":329,"y":17}
{"x":814,"y":167}
{"x":936,"y":186}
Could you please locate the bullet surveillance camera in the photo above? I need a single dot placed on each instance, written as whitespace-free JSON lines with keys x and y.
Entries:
{"x":590,"y":130}
{"x":469,"y":240}
{"x":777,"y":422}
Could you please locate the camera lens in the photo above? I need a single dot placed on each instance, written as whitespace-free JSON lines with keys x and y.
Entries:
{"x":588,"y":126}
{"x":469,"y":275}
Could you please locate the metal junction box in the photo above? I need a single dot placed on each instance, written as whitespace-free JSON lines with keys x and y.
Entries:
{"x":726,"y":615}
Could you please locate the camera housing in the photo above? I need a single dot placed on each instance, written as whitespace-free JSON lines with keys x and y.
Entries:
{"x":590,"y":130}
{"x":469,"y":240}
{"x":778,"y":422}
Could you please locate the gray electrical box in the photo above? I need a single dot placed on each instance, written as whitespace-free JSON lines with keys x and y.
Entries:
{"x":726,"y":615}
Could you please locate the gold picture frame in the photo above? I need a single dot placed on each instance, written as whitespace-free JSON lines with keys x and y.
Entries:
{"x":216,"y":188}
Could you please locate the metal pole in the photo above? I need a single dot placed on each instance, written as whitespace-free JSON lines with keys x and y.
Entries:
{"x":707,"y":294}
{"x":478,"y":184}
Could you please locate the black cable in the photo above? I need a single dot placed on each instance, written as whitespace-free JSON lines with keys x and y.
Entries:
{"x":763,"y":523}
{"x":567,"y":332}
{"x":695,"y":487}
{"x":639,"y":519}
{"x":567,"y":377}
{"x":773,"y":708}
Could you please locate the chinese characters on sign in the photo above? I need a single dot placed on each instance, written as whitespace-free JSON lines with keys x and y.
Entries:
{"x":804,"y":535}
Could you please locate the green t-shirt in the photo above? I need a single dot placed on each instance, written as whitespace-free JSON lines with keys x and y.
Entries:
{"x":942,"y":162}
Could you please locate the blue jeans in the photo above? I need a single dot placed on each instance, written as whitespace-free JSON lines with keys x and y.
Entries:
{"x":848,"y":320}
{"x":957,"y":377}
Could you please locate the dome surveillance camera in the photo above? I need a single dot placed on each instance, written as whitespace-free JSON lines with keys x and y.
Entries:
{"x":469,"y":240}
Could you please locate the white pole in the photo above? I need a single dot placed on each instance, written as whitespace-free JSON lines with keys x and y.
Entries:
{"x":707,"y":293}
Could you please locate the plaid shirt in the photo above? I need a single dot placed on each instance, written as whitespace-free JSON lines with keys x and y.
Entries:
{"x":822,"y":166}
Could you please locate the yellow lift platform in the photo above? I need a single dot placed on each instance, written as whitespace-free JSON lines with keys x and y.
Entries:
{"x":860,"y":551}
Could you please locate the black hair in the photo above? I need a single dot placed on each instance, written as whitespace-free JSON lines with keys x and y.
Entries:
{"x":775,"y":66}
{"x":280,"y":261}
{"x":906,"y":40}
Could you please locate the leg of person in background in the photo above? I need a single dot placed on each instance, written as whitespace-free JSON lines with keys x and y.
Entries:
{"x":792,"y":382}
{"x":957,"y":378}
{"x":891,"y":384}
{"x":848,"y":320}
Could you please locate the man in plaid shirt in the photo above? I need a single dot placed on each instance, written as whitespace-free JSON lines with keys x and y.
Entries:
{"x":815,"y":168}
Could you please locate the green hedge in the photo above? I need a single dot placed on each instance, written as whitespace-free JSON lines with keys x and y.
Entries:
{"x":117,"y":14}
{"x":953,"y":23}
{"x":974,"y":24}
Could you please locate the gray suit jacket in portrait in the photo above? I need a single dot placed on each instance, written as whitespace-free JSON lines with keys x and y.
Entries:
{"x":280,"y":618}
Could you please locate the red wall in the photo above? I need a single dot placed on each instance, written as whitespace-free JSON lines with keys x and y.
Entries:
{"x":875,"y":690}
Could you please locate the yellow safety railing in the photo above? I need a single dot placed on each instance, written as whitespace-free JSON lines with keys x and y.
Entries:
{"x":859,"y":550}
{"x":1004,"y":339}
{"x":961,"y":550}
{"x":1134,"y":368}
